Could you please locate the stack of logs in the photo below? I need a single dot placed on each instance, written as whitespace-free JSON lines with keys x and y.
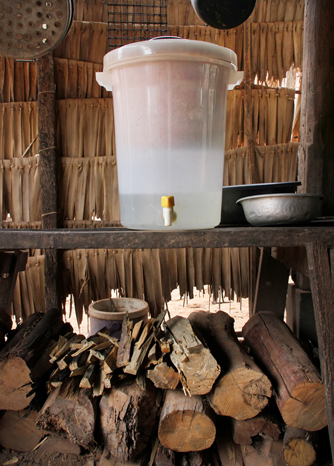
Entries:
{"x":170,"y":392}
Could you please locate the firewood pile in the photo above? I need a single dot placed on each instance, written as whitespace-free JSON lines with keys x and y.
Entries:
{"x":184,"y":392}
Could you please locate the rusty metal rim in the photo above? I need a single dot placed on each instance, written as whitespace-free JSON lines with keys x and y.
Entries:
{"x":31,"y":28}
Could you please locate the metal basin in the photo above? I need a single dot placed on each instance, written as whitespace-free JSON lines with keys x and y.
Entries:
{"x":281,"y":209}
{"x":232,"y":213}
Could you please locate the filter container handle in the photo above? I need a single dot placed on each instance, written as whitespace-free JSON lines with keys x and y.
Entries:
{"x":104,"y":80}
{"x":235,"y":77}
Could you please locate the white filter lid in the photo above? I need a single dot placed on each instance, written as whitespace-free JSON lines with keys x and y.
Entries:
{"x":169,"y":48}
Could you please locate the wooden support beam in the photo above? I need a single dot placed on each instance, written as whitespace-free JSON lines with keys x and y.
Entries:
{"x":316,"y":152}
{"x":48,"y":169}
{"x":118,"y":238}
{"x":323,"y":302}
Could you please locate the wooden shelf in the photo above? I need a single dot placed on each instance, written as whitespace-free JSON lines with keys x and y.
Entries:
{"x":121,"y":238}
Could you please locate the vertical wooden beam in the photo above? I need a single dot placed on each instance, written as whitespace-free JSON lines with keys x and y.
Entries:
{"x":249,"y":142}
{"x":248,"y":110}
{"x":323,"y":302}
{"x":316,"y":153}
{"x":48,"y":170}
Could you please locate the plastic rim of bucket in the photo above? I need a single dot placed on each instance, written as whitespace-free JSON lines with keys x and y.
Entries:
{"x":118,"y":308}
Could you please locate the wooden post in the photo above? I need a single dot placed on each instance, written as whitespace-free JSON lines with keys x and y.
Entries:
{"x":48,"y":170}
{"x":323,"y":302}
{"x":248,"y":100}
{"x":316,"y":152}
{"x":248,"y":120}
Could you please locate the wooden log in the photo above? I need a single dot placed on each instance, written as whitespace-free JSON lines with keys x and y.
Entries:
{"x":229,"y":452}
{"x":164,"y":457}
{"x":242,"y":390}
{"x":185,"y":423}
{"x":128,"y":417}
{"x":163,"y":376}
{"x":264,"y":452}
{"x":70,"y":411}
{"x":108,"y":460}
{"x":195,"y":363}
{"x":299,"y":447}
{"x":194,"y":458}
{"x":21,"y":353}
{"x":262,"y":424}
{"x":19,"y":433}
{"x":298,"y":389}
{"x":53,"y":445}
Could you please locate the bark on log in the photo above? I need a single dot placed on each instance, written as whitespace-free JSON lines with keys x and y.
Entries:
{"x":185,"y":423}
{"x":299,"y":392}
{"x":70,"y":411}
{"x":198,"y":368}
{"x":242,"y":390}
{"x":128,"y":416}
{"x":299,"y":447}
{"x":263,"y":425}
{"x":21,"y":353}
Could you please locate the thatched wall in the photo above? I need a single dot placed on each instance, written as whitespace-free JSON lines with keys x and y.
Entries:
{"x":88,"y":190}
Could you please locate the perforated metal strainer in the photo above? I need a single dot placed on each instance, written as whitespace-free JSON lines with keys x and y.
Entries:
{"x":31,"y":28}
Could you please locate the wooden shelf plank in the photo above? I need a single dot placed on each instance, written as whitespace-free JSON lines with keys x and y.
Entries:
{"x":121,"y":238}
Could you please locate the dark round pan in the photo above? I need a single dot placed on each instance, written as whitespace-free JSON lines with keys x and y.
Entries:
{"x":223,"y":14}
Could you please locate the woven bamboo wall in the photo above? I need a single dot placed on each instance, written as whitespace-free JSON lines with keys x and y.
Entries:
{"x":88,"y":187}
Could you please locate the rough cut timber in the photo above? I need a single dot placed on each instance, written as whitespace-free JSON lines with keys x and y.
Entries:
{"x":299,"y":392}
{"x":128,"y":417}
{"x":70,"y":411}
{"x":21,"y":354}
{"x":262,"y":424}
{"x":198,"y":368}
{"x":299,"y":447}
{"x":185,"y":423}
{"x":242,"y":390}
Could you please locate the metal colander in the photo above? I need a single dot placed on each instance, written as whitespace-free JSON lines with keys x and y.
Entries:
{"x":31,"y":28}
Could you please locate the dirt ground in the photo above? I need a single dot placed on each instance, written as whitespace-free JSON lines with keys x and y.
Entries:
{"x":55,"y":452}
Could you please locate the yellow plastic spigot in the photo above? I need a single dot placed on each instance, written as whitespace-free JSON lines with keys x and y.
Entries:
{"x":167,"y":201}
{"x":167,"y":204}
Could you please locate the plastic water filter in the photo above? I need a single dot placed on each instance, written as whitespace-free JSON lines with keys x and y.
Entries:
{"x":169,"y":99}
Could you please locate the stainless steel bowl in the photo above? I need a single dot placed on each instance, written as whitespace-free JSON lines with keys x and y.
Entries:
{"x":281,"y":209}
{"x":233,"y":214}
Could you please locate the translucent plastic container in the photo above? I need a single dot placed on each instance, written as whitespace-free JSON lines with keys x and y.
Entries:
{"x":169,"y":106}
